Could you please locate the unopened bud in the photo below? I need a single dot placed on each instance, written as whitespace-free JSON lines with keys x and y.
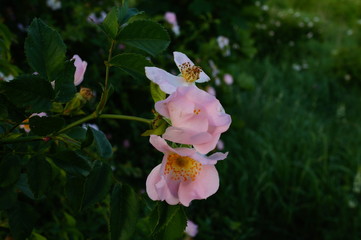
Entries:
{"x":86,"y":93}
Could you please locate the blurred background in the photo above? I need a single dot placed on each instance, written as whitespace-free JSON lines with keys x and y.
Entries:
{"x":287,"y":71}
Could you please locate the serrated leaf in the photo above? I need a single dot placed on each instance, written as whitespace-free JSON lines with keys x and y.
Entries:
{"x":110,"y":24}
{"x":131,"y":63}
{"x":44,"y":49}
{"x":146,"y":35}
{"x":124,"y":212}
{"x":43,"y":126}
{"x":156,"y":92}
{"x":171,"y":222}
{"x":72,"y":162}
{"x":39,"y":175}
{"x":9,"y":170}
{"x":22,"y":219}
{"x":97,"y":184}
{"x":64,"y":83}
{"x":103,"y":146}
{"x":30,"y":91}
{"x":126,"y":13}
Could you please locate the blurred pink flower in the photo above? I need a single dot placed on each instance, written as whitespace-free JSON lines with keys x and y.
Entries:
{"x":80,"y":67}
{"x":168,"y":82}
{"x":191,"y":229}
{"x":228,"y":79}
{"x":171,"y":18}
{"x":220,"y":145}
{"x":211,"y":90}
{"x":197,"y":118}
{"x":25,"y":123}
{"x":184,"y":174}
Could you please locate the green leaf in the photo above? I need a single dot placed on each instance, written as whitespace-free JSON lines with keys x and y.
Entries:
{"x":30,"y":91}
{"x":171,"y":222}
{"x":64,"y":83}
{"x":110,"y":24}
{"x":131,"y":63}
{"x":73,"y":162}
{"x":7,"y":198}
{"x":74,"y":190}
{"x":23,"y":186}
{"x":3,"y":108}
{"x":22,"y":219}
{"x":97,"y":184}
{"x":156,"y":92}
{"x":159,"y":128}
{"x":44,"y":50}
{"x":146,"y":35}
{"x":37,"y":236}
{"x":103,"y":146}
{"x":9,"y":170}
{"x":43,"y":126}
{"x":124,"y":212}
{"x":126,"y":13}
{"x":39,"y":175}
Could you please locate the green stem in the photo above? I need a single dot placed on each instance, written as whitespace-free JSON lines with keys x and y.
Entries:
{"x":20,"y":139}
{"x":125,"y":117}
{"x":80,"y":121}
{"x":105,"y":93}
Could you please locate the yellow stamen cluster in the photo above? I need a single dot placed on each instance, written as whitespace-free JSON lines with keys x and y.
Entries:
{"x":190,"y":73}
{"x":182,"y":168}
{"x":196,"y":111}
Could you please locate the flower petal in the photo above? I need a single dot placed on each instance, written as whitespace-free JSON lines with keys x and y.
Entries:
{"x":205,"y":185}
{"x":211,"y":160}
{"x":166,"y":81}
{"x":185,"y":136}
{"x":203,"y":77}
{"x":160,"y":144}
{"x":80,"y":67}
{"x":208,"y":146}
{"x":180,"y":58}
{"x":152,"y":179}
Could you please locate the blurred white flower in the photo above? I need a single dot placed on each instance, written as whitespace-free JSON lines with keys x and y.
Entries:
{"x":347,"y":77}
{"x":86,"y":125}
{"x":296,"y":67}
{"x":217,"y":81}
{"x":309,"y":35}
{"x":93,"y":18}
{"x":310,"y":24}
{"x":53,"y":4}
{"x":265,"y":8}
{"x":257,"y":3}
{"x":271,"y":33}
{"x":214,"y":68}
{"x":316,"y":19}
{"x":297,"y":14}
{"x":301,"y":24}
{"x":7,"y":78}
{"x":349,"y":32}
{"x":223,"y":43}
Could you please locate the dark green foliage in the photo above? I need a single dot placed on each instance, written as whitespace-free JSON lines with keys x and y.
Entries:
{"x":131,"y":63}
{"x":45,"y":125}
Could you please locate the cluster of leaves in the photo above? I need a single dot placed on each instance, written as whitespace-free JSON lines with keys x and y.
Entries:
{"x":62,"y":163}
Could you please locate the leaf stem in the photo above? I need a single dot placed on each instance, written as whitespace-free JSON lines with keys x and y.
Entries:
{"x":105,"y":93}
{"x":21,"y":139}
{"x":125,"y":117}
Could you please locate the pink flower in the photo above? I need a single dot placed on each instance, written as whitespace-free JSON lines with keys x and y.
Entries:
{"x":184,"y":174}
{"x":228,"y":79}
{"x":80,"y":67}
{"x":169,"y":83}
{"x":171,"y":18}
{"x":191,"y":229}
{"x":197,"y":118}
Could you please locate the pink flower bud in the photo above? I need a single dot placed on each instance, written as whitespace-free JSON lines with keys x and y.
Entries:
{"x":228,"y":79}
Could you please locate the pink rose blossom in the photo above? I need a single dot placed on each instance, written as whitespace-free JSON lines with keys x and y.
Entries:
{"x":169,"y":83}
{"x":228,"y":79}
{"x":197,"y":118}
{"x":80,"y":69}
{"x":191,"y":229}
{"x":184,"y":174}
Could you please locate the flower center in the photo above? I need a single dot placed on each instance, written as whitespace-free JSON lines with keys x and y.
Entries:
{"x":190,"y":73}
{"x":182,"y":168}
{"x":196,"y":111}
